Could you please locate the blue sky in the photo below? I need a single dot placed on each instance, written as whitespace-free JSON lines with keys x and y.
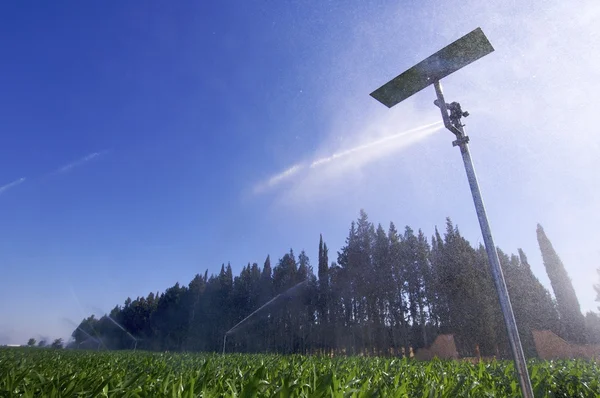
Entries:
{"x":144,"y":142}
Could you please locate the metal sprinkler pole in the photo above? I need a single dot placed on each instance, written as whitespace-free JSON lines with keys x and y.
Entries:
{"x":452,"y":123}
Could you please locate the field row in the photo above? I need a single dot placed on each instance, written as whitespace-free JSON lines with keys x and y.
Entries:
{"x":63,"y":373}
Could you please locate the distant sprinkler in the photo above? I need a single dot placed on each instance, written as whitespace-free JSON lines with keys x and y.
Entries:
{"x":117,"y":324}
{"x":287,"y":294}
{"x":96,"y":339}
{"x":135,"y":340}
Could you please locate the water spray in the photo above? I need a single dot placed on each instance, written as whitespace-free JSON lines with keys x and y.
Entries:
{"x":132,"y":337}
{"x":429,"y":128}
{"x":295,"y":169}
{"x":96,"y":339}
{"x":135,"y":340}
{"x":287,"y":294}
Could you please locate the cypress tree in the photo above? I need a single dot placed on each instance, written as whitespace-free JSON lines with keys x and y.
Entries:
{"x":383,"y":284}
{"x":266,"y":283}
{"x":597,"y":288}
{"x":531,"y":301}
{"x":323,"y":295}
{"x":571,"y":318}
{"x":323,"y":260}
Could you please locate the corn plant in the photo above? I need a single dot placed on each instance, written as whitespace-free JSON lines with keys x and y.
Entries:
{"x":35,"y":372}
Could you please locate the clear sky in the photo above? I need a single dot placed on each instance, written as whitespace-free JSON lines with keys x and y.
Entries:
{"x":143,"y":142}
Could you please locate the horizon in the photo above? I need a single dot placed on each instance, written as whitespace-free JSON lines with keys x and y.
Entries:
{"x":100,"y":312}
{"x":145,"y":143}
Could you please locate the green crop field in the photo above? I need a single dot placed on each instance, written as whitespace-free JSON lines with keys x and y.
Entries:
{"x":63,"y":373}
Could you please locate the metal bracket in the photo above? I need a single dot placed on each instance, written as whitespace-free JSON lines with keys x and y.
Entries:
{"x":460,"y":141}
{"x":452,"y":114}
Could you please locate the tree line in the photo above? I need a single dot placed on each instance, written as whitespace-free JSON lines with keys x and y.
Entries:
{"x":388,"y":292}
{"x":57,"y":343}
